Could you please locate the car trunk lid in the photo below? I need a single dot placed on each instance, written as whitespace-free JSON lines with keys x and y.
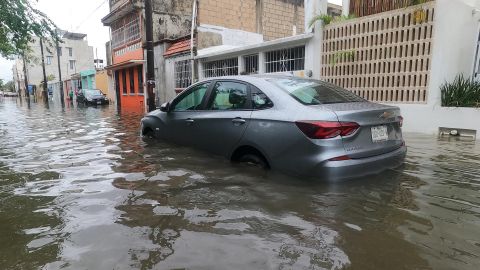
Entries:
{"x":379,"y":132}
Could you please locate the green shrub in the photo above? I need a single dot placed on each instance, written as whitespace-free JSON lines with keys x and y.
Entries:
{"x":462,"y":92}
{"x":327,"y":19}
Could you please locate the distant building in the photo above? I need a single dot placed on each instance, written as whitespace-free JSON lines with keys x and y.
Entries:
{"x":88,"y":79}
{"x":98,"y":63}
{"x":75,"y":56}
{"x":19,"y":79}
{"x":101,"y":83}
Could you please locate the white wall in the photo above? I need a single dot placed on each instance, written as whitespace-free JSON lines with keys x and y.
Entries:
{"x":454,"y":43}
{"x":427,"y":119}
{"x":313,"y":60}
{"x":454,"y":39}
{"x":345,"y":7}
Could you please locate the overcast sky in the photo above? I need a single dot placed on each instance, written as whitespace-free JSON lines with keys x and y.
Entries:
{"x":73,"y":15}
{"x":77,"y":16}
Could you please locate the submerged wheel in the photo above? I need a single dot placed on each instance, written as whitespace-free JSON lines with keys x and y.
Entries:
{"x":254,"y":159}
{"x":250,"y":155}
{"x":148,"y":133}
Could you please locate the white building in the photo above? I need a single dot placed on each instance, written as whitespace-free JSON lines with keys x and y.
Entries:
{"x":75,"y":56}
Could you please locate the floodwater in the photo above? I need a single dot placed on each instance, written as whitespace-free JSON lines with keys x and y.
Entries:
{"x":79,"y":189}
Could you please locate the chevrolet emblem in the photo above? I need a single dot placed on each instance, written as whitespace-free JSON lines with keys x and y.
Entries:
{"x":386,"y":115}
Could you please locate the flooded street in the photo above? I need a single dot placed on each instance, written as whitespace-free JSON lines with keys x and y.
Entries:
{"x":79,"y":189}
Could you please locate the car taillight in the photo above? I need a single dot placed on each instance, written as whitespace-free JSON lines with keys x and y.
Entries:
{"x":340,"y":158}
{"x":326,"y":129}
{"x":401,"y":121}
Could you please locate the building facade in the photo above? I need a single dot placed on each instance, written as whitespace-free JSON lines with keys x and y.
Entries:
{"x":88,"y":79}
{"x":75,"y":55}
{"x":126,"y":22}
{"x":221,"y":25}
{"x":401,"y":57}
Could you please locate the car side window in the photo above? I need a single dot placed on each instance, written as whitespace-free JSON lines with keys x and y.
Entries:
{"x":193,"y":100}
{"x":227,"y":95}
{"x":260,"y":101}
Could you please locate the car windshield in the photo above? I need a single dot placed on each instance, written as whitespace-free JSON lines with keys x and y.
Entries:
{"x":94,"y":92}
{"x":310,"y":92}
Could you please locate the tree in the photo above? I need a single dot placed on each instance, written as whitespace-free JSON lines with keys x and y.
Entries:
{"x":1,"y":84}
{"x":19,"y":22}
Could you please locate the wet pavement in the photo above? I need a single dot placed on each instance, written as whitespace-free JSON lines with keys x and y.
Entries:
{"x":79,"y":189}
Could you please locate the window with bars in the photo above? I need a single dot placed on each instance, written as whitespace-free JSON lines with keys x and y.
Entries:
{"x":251,"y":64}
{"x":125,"y":30}
{"x":225,"y":67}
{"x":183,"y":74}
{"x":131,"y":28}
{"x":118,"y":37}
{"x":283,"y":60}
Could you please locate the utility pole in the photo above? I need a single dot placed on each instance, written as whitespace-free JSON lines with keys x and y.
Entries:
{"x":45,"y":91}
{"x":150,"y":56}
{"x":60,"y":74}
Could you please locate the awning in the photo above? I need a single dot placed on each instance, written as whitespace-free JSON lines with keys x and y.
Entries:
{"x":125,"y":64}
{"x":178,"y":47}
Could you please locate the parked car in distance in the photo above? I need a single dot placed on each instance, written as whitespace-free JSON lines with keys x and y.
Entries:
{"x":91,"y":97}
{"x":298,"y":126}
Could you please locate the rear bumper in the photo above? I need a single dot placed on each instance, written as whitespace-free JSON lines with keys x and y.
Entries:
{"x":341,"y":170}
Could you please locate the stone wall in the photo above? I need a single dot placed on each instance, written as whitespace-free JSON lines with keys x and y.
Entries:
{"x":272,"y":18}
{"x":235,"y":14}
{"x":281,"y":18}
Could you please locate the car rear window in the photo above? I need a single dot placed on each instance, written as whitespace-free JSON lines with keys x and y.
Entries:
{"x":93,"y":92}
{"x":312,"y":92}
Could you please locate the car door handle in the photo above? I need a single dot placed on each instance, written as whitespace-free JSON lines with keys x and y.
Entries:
{"x":238,"y":121}
{"x":190,"y":121}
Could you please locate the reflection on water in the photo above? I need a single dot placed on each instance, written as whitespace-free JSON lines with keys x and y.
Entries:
{"x":79,"y":189}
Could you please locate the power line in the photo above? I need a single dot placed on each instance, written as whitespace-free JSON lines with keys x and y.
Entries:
{"x":90,"y":15}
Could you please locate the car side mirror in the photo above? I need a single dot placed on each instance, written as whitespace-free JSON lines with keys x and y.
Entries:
{"x":165,"y":107}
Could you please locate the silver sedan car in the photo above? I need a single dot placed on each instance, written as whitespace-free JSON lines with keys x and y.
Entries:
{"x":298,"y":126}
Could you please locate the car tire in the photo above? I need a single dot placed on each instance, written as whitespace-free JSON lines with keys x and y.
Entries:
{"x":254,"y":160}
{"x":148,"y":133}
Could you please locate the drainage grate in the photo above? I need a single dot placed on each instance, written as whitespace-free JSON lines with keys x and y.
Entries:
{"x":457,"y":132}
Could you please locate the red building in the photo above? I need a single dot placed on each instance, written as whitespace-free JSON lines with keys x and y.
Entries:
{"x":126,"y":23}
